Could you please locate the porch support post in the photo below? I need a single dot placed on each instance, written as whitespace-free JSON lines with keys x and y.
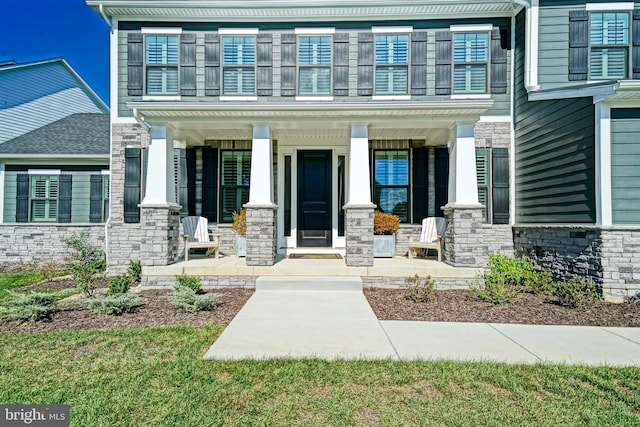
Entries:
{"x":359,"y":209}
{"x":463,"y":238}
{"x":261,"y":211}
{"x":159,"y":214}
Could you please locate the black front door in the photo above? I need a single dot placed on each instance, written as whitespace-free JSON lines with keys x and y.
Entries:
{"x":314,"y":198}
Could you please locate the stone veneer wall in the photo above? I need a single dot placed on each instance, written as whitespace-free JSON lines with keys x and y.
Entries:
{"x":261,"y":235}
{"x":609,"y":258}
{"x":359,"y":235}
{"x":468,"y":240}
{"x":160,"y":239}
{"x":42,"y":242}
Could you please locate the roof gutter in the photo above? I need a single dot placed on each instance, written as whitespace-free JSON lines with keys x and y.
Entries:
{"x":55,"y":156}
{"x":105,"y":17}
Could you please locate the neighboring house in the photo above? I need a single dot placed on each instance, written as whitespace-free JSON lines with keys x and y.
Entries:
{"x":312,"y":114}
{"x":54,"y":172}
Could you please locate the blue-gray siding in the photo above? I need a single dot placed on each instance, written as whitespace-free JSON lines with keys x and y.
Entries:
{"x":625,"y":166}
{"x":554,"y":154}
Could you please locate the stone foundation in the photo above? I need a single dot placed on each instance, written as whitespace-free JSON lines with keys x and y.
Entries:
{"x":261,"y":235}
{"x":160,"y":238}
{"x":37,"y":243}
{"x":359,"y":235}
{"x":608,"y":258}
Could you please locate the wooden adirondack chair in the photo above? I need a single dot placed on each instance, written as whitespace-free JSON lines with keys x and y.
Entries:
{"x":196,"y":236}
{"x":431,"y":236}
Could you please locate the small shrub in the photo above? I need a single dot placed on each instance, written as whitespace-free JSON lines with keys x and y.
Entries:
{"x":539,"y":282}
{"x":420,"y":291}
{"x":49,"y":270}
{"x":576,"y":293}
{"x":119,"y":284}
{"x":240,"y":222}
{"x":115,"y":304}
{"x":496,"y":290}
{"x":87,"y":262}
{"x":513,"y":269}
{"x":29,"y":306}
{"x":186,"y":300}
{"x":135,"y":271}
{"x":191,"y":282}
{"x":385,"y":223}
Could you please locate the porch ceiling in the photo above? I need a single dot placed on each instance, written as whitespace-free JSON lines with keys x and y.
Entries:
{"x":197,"y":122}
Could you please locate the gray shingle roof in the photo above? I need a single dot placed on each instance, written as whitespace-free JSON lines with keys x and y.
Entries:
{"x":81,"y":133}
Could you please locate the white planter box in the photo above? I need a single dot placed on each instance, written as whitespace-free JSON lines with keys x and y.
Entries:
{"x":241,"y":246}
{"x":384,"y":246}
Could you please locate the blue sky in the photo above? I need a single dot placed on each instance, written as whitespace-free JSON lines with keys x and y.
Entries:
{"x":32,"y":30}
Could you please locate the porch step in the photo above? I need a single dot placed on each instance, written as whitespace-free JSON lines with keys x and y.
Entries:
{"x":309,"y":283}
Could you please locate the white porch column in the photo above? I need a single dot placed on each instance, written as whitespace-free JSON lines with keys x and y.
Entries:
{"x":463,"y":180}
{"x":261,"y":189}
{"x":604,"y":207}
{"x":160,"y":189}
{"x":359,"y":191}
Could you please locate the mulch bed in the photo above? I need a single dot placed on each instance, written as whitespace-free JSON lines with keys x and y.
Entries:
{"x":462,"y":306}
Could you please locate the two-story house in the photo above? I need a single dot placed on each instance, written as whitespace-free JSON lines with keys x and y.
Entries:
{"x":313,"y":114}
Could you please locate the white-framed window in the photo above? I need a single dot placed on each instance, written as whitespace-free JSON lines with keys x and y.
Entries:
{"x":392,"y":64}
{"x":470,"y":62}
{"x":314,"y":64}
{"x":43,"y":198}
{"x":235,"y":175}
{"x":609,"y":40}
{"x":239,"y":65}
{"x":161,"y":62}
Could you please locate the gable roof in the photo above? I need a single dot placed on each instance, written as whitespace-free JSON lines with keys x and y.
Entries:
{"x":37,"y":93}
{"x":76,"y":135}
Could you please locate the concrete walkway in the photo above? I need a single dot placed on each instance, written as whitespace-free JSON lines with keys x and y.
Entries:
{"x":329,"y":318}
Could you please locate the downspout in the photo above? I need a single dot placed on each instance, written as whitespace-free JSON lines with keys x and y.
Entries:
{"x":531,"y":49}
{"x":104,"y":16}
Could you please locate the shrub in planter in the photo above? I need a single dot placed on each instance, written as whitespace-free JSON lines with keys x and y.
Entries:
{"x":119,"y":284}
{"x":385,"y":223}
{"x":186,"y":300}
{"x":29,"y":306}
{"x":420,"y":291}
{"x":576,"y":293}
{"x":114,"y":304}
{"x":239,"y":225}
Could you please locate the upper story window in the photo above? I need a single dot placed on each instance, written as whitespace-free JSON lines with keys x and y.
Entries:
{"x":392,"y":64}
{"x":609,"y":39}
{"x":161,"y":60}
{"x":238,"y":62}
{"x":314,"y":65}
{"x":470,"y":62}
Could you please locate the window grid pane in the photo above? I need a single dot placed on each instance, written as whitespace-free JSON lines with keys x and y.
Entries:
{"x":392,"y":58}
{"x":314,"y":50}
{"x":391,"y":186}
{"x":315,"y":81}
{"x":44,"y":198}
{"x":392,"y":49}
{"x":239,"y":81}
{"x":162,"y":81}
{"x":391,"y":80}
{"x":470,"y":47}
{"x":470,"y":78}
{"x":162,"y":50}
{"x":609,"y":63}
{"x":235,"y":175}
{"x":610,"y":28}
{"x":240,"y":50}
{"x":239,"y":58}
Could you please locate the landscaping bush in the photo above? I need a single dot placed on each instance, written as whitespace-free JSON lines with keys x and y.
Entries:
{"x":186,"y":300}
{"x":50,"y":269}
{"x":496,"y":290}
{"x":191,"y":282}
{"x":420,"y":291}
{"x":114,"y":304}
{"x":134,"y":271}
{"x":87,"y":262}
{"x":119,"y":284}
{"x":539,"y":282}
{"x":514,"y":270}
{"x":576,"y":293}
{"x":29,"y":306}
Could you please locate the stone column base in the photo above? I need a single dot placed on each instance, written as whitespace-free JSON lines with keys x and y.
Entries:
{"x":262,"y":239}
{"x":463,"y":240}
{"x":359,"y":235}
{"x":160,"y":239}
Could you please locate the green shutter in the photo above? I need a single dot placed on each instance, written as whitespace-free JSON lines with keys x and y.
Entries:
{"x":22,"y":198}
{"x":95,"y":198}
{"x":578,"y":45}
{"x":636,"y":43}
{"x":135,"y":55}
{"x":64,"y":198}
{"x":499,"y":45}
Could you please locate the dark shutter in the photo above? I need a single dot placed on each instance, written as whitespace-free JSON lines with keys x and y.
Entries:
{"x":499,"y":47}
{"x":22,"y":198}
{"x":578,"y":45}
{"x":210,"y":183}
{"x":132,"y":180}
{"x":191,"y":180}
{"x":212,"y":64}
{"x":288,"y":68}
{"x":183,"y":186}
{"x":341,"y":64}
{"x":420,"y":184}
{"x":188,"y":64}
{"x":444,"y":55}
{"x":365,"y":64}
{"x":419,"y":63}
{"x":95,"y":198}
{"x":441,"y":179}
{"x":264,"y":60}
{"x":636,"y":44}
{"x":500,"y":185}
{"x":64,"y":198}
{"x":135,"y":56}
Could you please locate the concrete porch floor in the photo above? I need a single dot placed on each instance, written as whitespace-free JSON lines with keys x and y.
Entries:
{"x":392,"y":268}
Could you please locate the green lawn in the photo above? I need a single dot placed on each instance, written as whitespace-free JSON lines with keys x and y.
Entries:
{"x":13,"y":280}
{"x":157,"y":377}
